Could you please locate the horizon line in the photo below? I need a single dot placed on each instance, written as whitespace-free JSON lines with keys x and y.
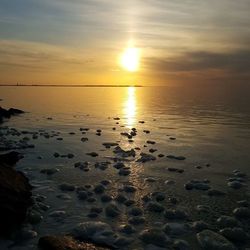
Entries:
{"x":69,"y":85}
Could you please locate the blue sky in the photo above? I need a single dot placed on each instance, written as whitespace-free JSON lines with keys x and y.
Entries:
{"x":79,"y":41}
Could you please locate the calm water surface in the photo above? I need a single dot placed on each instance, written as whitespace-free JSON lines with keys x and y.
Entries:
{"x":210,"y":124}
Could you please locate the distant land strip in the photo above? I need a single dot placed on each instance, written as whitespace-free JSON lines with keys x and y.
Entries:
{"x":68,"y":85}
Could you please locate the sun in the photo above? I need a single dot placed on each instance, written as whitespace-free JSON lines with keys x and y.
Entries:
{"x":130,"y":59}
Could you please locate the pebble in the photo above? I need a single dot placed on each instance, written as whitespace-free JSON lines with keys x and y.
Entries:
{"x":227,"y":221}
{"x":242,"y":212}
{"x":178,"y":170}
{"x":64,"y":196}
{"x":99,"y":189}
{"x":146,"y":157}
{"x":180,"y":158}
{"x":58,"y":214}
{"x":200,"y":225}
{"x":177,"y":214}
{"x":82,"y":195}
{"x":49,"y":171}
{"x":129,"y":188}
{"x":135,"y":211}
{"x":124,"y":172}
{"x":112,"y":210}
{"x":176,"y":229}
{"x":235,"y":234}
{"x":120,"y":198}
{"x":106,"y":198}
{"x":155,"y":237}
{"x":127,"y":229}
{"x":136,"y":220}
{"x":95,"y":231}
{"x":181,"y":245}
{"x":155,"y":207}
{"x":211,"y":240}
{"x":92,"y":154}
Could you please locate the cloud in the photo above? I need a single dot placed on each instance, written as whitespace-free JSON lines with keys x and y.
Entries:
{"x":234,"y":62}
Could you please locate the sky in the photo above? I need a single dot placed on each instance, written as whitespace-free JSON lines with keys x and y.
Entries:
{"x":81,"y":41}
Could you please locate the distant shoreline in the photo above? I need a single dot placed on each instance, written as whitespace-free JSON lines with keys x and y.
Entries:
{"x":68,"y":85}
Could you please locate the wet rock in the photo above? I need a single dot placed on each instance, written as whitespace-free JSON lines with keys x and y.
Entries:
{"x":227,"y":221}
{"x":242,"y":212}
{"x":27,"y":234}
{"x":129,"y":188}
{"x":119,"y":165}
{"x":34,"y":217}
{"x":102,"y":165}
{"x":180,"y":158}
{"x":120,"y":198}
{"x":65,"y":243}
{"x":58,"y":214}
{"x":181,"y":245}
{"x":112,"y":210}
{"x":67,"y":187}
{"x":235,"y":234}
{"x":124,"y":172}
{"x":127,"y":229}
{"x":7,"y":113}
{"x":97,"y":232}
{"x":84,"y":139}
{"x":136,"y":220}
{"x":155,"y":207}
{"x":15,"y":195}
{"x":154,"y":237}
{"x":56,"y":155}
{"x":178,"y":170}
{"x":82,"y":165}
{"x":235,"y":184}
{"x":129,"y":203}
{"x":99,"y":189}
{"x":146,"y":157}
{"x":110,"y":144}
{"x":64,"y":197}
{"x":124,"y":153}
{"x":211,"y":240}
{"x":243,"y":203}
{"x":176,"y":214}
{"x":49,"y":171}
{"x":92,"y":154}
{"x":169,"y":182}
{"x":106,"y":198}
{"x":175,"y":228}
{"x":82,"y":195}
{"x":199,"y":226}
{"x":202,"y":208}
{"x":135,"y":211}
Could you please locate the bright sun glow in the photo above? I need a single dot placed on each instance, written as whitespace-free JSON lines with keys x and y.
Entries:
{"x":130,"y":59}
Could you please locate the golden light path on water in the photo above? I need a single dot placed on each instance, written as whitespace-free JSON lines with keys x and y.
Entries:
{"x":130,"y":109}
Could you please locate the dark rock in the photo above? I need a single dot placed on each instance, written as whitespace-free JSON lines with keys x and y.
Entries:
{"x":7,"y":113}
{"x":15,"y":195}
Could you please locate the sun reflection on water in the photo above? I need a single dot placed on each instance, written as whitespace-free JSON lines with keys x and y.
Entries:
{"x":130,"y":107}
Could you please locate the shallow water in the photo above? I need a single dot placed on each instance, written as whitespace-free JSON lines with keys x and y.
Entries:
{"x":211,"y":125}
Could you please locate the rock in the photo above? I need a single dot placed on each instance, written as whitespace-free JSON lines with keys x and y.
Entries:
{"x":155,"y":207}
{"x":65,"y":243}
{"x":227,"y":221}
{"x":82,"y":195}
{"x":99,"y":189}
{"x":180,"y":158}
{"x":110,"y":144}
{"x":67,"y":187}
{"x":135,"y":211}
{"x":199,"y":226}
{"x":154,"y":237}
{"x":136,"y":220}
{"x":96,"y":232}
{"x":65,"y":197}
{"x":235,"y":234}
{"x":93,"y":154}
{"x":129,"y":188}
{"x":15,"y":195}
{"x":176,"y":214}
{"x":119,"y":165}
{"x":178,"y":170}
{"x":242,"y":212}
{"x":243,"y":203}
{"x":56,"y":155}
{"x":175,"y":228}
{"x":169,"y":182}
{"x":112,"y":210}
{"x":120,"y":198}
{"x":34,"y":217}
{"x":49,"y":171}
{"x":84,"y":139}
{"x":211,"y":240}
{"x":121,"y":242}
{"x":235,"y":184}
{"x":6,"y":114}
{"x":124,"y":153}
{"x":106,"y":198}
{"x":181,"y":245}
{"x":146,"y":157}
{"x":127,"y":229}
{"x":202,"y":208}
{"x":58,"y":214}
{"x":10,"y":158}
{"x":27,"y":234}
